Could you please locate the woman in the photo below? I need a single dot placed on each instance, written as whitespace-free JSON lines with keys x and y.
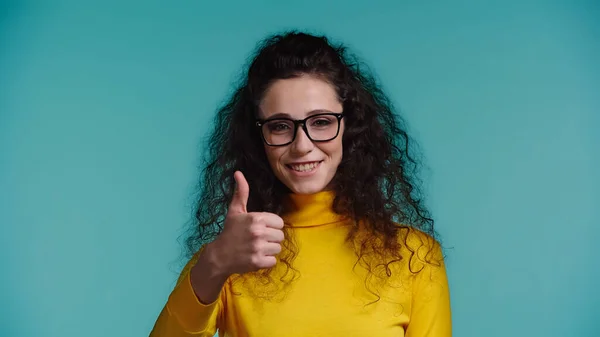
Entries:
{"x":309,"y":221}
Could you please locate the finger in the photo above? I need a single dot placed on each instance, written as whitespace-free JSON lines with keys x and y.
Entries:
{"x":241,"y":194}
{"x":273,"y":235}
{"x":266,"y":262}
{"x":271,"y":249}
{"x":272,"y":220}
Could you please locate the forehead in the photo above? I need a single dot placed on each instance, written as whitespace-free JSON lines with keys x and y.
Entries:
{"x":299,"y":97}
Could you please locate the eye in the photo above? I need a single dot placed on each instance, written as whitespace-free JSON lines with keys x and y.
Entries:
{"x":278,"y":126}
{"x":321,"y":122}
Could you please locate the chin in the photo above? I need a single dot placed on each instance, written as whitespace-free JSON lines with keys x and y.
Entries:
{"x":306,"y":188}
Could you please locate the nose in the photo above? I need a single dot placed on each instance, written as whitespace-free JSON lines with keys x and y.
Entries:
{"x":302,"y":144}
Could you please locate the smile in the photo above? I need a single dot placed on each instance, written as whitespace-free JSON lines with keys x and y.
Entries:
{"x":305,"y":167}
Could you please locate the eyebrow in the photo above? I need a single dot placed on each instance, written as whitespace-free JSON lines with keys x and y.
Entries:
{"x":310,"y":113}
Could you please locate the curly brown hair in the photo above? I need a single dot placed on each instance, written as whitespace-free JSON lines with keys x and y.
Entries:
{"x":376,"y":183}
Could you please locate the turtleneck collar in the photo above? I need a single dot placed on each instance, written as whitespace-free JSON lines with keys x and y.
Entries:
{"x":307,"y":210}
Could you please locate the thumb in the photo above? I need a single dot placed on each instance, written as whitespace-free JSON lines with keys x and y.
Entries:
{"x":241,"y":194}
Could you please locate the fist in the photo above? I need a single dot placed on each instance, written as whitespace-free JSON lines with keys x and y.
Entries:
{"x":249,"y":241}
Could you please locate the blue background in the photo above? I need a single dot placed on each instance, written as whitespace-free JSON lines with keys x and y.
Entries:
{"x":103,"y":109}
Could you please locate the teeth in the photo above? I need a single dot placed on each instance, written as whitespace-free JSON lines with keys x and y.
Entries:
{"x":304,"y":167}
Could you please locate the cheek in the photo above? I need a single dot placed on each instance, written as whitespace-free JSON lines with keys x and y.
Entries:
{"x":273,"y":155}
{"x":334,"y":150}
{"x":339,"y":143}
{"x":339,"y":146}
{"x":339,"y":151}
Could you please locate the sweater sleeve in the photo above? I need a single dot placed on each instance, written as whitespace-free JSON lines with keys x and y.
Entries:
{"x":430,"y":314}
{"x":184,"y":315}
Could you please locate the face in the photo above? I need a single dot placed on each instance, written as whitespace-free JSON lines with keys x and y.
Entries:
{"x":304,"y":166}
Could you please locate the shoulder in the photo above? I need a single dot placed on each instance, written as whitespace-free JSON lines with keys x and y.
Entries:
{"x":422,"y":249}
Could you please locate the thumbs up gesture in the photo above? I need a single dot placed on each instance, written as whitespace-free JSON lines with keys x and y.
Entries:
{"x":249,"y":241}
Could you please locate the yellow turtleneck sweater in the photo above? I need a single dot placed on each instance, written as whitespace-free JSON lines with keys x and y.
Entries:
{"x":330,"y":296}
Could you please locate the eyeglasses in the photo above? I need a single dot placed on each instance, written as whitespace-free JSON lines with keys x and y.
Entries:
{"x":322,"y":127}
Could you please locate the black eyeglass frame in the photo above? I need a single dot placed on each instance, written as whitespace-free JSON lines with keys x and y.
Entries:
{"x":300,"y":122}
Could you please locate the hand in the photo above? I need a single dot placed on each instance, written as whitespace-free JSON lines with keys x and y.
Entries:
{"x":249,"y":241}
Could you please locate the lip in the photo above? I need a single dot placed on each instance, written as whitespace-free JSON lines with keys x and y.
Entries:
{"x":306,"y":173}
{"x":304,"y":162}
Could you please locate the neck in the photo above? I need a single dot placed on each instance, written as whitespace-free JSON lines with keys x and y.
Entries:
{"x":307,"y":210}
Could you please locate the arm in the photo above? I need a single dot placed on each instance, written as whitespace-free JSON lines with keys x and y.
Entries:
{"x":431,"y":314}
{"x":248,"y":242}
{"x":196,"y":303}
